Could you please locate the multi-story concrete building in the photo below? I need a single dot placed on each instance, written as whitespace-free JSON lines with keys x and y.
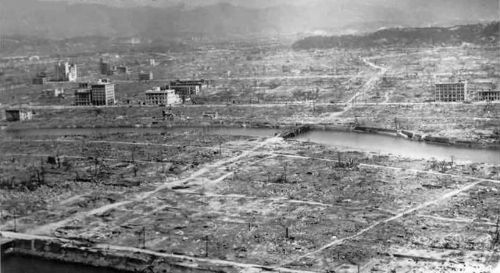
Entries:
{"x":157,"y":96}
{"x":186,"y":89}
{"x":41,"y":78}
{"x":100,"y":93}
{"x":451,"y":92}
{"x":65,"y":72}
{"x":488,"y":95}
{"x":145,"y":76}
{"x":83,"y":97}
{"x":105,"y":68}
{"x":103,"y":93}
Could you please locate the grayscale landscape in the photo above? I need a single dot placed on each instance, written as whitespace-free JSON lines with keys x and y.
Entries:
{"x":249,"y":136}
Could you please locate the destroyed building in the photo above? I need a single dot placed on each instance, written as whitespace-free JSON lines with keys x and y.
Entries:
{"x":451,"y":91}
{"x":121,"y":69}
{"x":187,"y":88}
{"x":40,"y":79}
{"x":158,"y":96}
{"x":83,"y":97}
{"x":105,"y":68}
{"x":50,"y":93}
{"x":145,"y":76}
{"x":65,"y":72}
{"x":100,"y":93}
{"x":488,"y":95}
{"x":18,"y":114}
{"x":485,"y":90}
{"x":210,"y":115}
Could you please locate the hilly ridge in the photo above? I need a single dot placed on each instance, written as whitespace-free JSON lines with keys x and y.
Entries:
{"x":408,"y":37}
{"x":59,"y":19}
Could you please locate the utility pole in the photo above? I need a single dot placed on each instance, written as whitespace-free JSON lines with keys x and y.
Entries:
{"x":142,"y":237}
{"x":206,"y":245}
{"x":15,"y":220}
{"x":284,"y":170}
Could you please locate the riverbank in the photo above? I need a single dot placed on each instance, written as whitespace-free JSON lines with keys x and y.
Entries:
{"x":115,"y":258}
{"x":427,"y":138}
{"x":463,"y":124}
{"x":255,"y":129}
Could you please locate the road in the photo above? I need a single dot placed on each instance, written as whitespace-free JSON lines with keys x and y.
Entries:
{"x":49,"y":228}
{"x":367,"y":87}
{"x":377,"y":223}
{"x":262,"y":78}
{"x":283,"y":104}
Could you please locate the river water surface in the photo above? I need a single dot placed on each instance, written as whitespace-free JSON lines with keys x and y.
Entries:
{"x":376,"y":143}
{"x":28,"y":264}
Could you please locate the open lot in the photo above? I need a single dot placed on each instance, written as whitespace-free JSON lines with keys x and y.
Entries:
{"x":261,"y":201}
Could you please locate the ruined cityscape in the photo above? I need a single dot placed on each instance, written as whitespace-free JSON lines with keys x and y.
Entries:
{"x":249,"y":136}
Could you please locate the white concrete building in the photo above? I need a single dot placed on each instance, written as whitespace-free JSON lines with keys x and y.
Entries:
{"x":157,"y":96}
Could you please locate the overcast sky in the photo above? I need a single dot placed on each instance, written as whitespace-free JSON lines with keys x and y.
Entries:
{"x":54,"y":18}
{"x":194,"y":3}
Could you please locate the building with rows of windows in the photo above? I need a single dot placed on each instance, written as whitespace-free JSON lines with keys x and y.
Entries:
{"x":100,"y":93}
{"x":158,"y":96}
{"x":451,"y":92}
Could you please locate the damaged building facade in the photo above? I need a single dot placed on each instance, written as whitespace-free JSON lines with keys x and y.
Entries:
{"x":488,"y":95}
{"x":105,"y":68}
{"x":158,"y":96}
{"x":98,"y":94}
{"x":187,"y":88}
{"x":18,"y":114}
{"x":145,"y":76}
{"x":451,"y":91}
{"x":65,"y":72}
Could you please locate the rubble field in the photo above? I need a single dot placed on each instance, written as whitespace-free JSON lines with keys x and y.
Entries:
{"x":253,"y":200}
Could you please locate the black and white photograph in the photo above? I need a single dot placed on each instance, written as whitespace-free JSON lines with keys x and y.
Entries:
{"x":249,"y":136}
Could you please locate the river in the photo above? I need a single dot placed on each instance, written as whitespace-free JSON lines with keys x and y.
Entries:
{"x":28,"y":264}
{"x":385,"y":144}
{"x":376,"y":143}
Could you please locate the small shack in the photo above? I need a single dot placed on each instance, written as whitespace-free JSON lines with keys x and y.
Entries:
{"x":18,"y":114}
{"x":210,"y":115}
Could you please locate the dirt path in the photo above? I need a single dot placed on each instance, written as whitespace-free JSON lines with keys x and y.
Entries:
{"x":49,"y":228}
{"x":78,"y":157}
{"x":431,"y":172}
{"x":369,"y":85}
{"x":109,"y":142}
{"x":397,"y":216}
{"x":273,"y":199}
{"x":458,"y":220}
{"x":396,"y":168}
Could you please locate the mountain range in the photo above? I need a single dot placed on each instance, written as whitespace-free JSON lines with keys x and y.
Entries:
{"x":58,"y":19}
{"x":479,"y":34}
